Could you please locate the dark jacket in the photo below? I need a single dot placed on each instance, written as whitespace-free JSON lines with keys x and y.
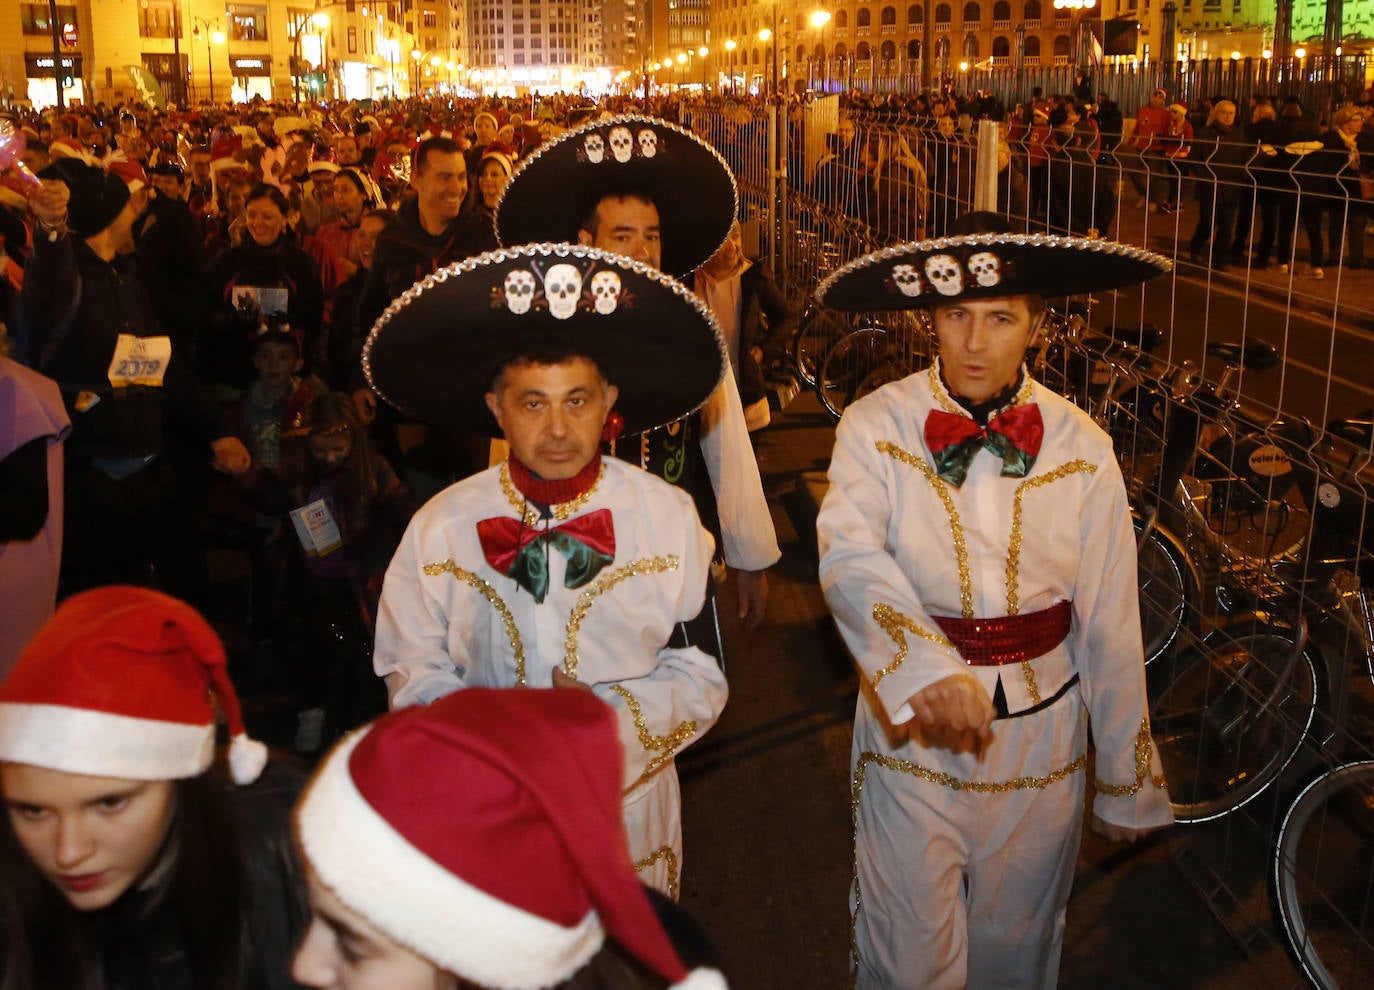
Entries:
{"x":1222,"y":155}
{"x":226,"y":350}
{"x":171,"y":265}
{"x":766,"y":322}
{"x":75,"y":305}
{"x":406,"y":253}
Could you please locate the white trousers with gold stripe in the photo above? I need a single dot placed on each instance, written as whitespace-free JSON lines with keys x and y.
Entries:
{"x":652,"y":813}
{"x":963,"y":866}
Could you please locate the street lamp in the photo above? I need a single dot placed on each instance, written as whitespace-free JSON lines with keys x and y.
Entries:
{"x":730,"y":47}
{"x":320,"y":21}
{"x":819,"y":19}
{"x":1080,"y":35}
{"x":682,"y":71}
{"x":765,"y":36}
{"x":216,"y":36}
{"x":702,"y":52}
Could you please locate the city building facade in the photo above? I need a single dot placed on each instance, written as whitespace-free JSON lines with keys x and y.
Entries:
{"x":217,"y":50}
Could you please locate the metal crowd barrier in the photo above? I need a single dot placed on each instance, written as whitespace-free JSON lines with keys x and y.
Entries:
{"x":1248,"y":225}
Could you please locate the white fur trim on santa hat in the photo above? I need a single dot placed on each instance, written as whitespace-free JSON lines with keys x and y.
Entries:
{"x":247,"y":758}
{"x":101,"y":744}
{"x":702,"y":979}
{"x":376,"y":872}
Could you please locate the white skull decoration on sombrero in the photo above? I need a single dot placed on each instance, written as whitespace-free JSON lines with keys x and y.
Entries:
{"x":434,"y":351}
{"x":986,"y":266}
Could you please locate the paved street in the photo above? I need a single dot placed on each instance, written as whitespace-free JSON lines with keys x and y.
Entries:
{"x":767,"y":806}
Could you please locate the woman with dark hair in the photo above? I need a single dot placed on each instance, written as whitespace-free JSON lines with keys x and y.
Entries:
{"x":332,"y":246}
{"x":477,"y":842}
{"x":265,"y":283}
{"x":128,"y":859}
{"x":493,"y":172}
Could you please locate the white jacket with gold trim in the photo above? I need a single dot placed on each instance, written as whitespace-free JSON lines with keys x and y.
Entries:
{"x":448,"y":620}
{"x":898,"y":545}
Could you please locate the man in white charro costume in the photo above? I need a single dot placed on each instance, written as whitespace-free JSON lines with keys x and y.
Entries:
{"x":978,"y":555}
{"x":652,"y":191}
{"x":558,"y":568}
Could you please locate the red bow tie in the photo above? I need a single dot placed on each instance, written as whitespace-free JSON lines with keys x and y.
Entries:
{"x":1014,"y":435}
{"x":588,"y":543}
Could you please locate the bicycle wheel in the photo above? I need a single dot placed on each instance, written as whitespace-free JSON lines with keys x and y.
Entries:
{"x":1322,"y":875}
{"x":820,"y":329}
{"x":1166,"y":590}
{"x":850,"y":365}
{"x":1230,"y":715}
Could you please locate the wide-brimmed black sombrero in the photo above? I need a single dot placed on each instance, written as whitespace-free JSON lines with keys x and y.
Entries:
{"x":984,"y":266}
{"x":555,"y":188}
{"x":434,"y":352}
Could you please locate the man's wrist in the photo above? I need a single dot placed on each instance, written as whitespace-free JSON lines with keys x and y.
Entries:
{"x":53,"y":228}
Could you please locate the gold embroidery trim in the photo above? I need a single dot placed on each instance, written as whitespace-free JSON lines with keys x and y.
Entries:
{"x":561,"y":511}
{"x":897,"y":625}
{"x":937,"y":389}
{"x":1144,"y":745}
{"x":668,"y":744}
{"x":604,"y":583}
{"x":1014,"y":552}
{"x":956,"y":527}
{"x":664,"y":853}
{"x":491,"y":595}
{"x":1031,"y":686}
{"x":941,"y":394}
{"x":936,"y":777}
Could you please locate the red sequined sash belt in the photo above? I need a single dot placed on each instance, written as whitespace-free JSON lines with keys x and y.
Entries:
{"x":1010,"y":638}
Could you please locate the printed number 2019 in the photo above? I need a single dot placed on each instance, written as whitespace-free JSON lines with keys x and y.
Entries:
{"x":134,"y":368}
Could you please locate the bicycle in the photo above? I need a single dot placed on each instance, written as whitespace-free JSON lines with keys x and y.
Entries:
{"x":1321,"y":873}
{"x":1232,"y":714}
{"x":871,"y":355}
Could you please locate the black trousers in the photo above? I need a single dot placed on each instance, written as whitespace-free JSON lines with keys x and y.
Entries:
{"x":138,"y":530}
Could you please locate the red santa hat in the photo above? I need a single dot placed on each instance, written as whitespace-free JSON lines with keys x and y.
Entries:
{"x":1180,"y":106}
{"x":124,"y":682}
{"x":67,"y":147}
{"x":503,"y":861}
{"x":130,"y":171}
{"x":224,"y":153}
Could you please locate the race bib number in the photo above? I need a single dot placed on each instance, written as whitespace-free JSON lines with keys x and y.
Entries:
{"x":316,"y":528}
{"x":140,"y":361}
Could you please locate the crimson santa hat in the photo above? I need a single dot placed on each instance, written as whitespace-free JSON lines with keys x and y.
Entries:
{"x":504,"y":861}
{"x":124,"y":682}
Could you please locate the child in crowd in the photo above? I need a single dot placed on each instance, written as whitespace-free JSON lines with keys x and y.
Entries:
{"x":348,"y":511}
{"x":276,"y":403}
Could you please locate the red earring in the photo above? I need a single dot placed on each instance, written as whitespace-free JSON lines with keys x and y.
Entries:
{"x":610,"y":430}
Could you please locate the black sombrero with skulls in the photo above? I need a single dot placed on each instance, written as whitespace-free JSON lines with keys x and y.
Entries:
{"x":986,"y":266}
{"x":434,"y":352}
{"x":555,"y":188}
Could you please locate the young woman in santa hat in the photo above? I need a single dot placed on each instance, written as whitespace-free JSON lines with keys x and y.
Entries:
{"x":127,"y":858}
{"x":502,"y":864}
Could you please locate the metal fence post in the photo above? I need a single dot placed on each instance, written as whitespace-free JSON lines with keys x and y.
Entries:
{"x":985,"y":174}
{"x":777,"y":197}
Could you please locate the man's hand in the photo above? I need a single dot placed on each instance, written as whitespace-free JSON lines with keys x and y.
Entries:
{"x":365,"y":401}
{"x":753,"y":597}
{"x":49,"y":201}
{"x":562,"y":680}
{"x":954,"y":713}
{"x":231,"y":456}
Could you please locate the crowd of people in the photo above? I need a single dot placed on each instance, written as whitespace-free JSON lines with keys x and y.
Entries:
{"x":1258,"y":171}
{"x":473,"y":393}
